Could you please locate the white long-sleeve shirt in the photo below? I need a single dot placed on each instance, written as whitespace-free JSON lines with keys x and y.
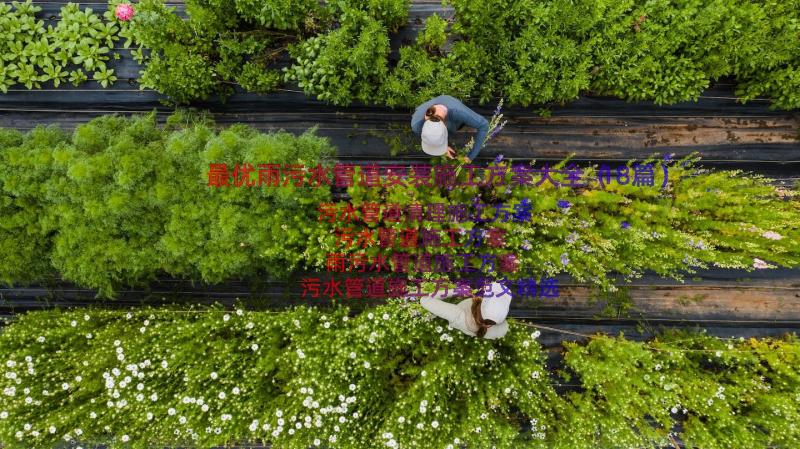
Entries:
{"x":460,"y":315}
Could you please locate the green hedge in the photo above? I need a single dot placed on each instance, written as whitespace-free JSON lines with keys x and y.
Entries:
{"x":390,"y":377}
{"x":528,"y":52}
{"x":122,"y":200}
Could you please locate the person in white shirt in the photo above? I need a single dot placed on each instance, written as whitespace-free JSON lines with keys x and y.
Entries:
{"x":481,"y":316}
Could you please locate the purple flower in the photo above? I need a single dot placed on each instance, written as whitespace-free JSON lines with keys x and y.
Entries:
{"x":572,"y":237}
{"x":625,"y":225}
{"x":526,"y":245}
{"x":668,"y":157}
{"x":498,"y":108}
{"x":496,"y":131}
{"x":498,"y":159}
{"x":564,"y":259}
{"x":564,"y":204}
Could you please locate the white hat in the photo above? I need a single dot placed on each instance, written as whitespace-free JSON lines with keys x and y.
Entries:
{"x":434,"y":138}
{"x":495,"y":307}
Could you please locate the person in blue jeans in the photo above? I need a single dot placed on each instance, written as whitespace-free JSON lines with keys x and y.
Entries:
{"x":439,"y":117}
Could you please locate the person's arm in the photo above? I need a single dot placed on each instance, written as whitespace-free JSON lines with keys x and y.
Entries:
{"x":416,"y":124}
{"x":482,"y":125}
{"x":442,"y":309}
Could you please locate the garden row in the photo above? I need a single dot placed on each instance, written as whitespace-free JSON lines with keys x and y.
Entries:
{"x":121,"y":201}
{"x":391,"y":377}
{"x":547,"y":51}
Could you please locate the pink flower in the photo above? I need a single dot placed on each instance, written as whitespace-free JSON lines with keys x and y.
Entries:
{"x":760,"y":264}
{"x":771,"y":235}
{"x":124,"y":11}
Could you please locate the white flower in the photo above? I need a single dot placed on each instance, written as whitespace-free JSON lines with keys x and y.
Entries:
{"x":116,"y":343}
{"x":149,"y":416}
{"x":342,"y":419}
{"x":125,"y":438}
{"x":73,"y":323}
{"x":182,"y":420}
{"x":326,"y":325}
{"x":771,"y":235}
{"x":226,"y":317}
{"x":239,"y":312}
{"x":535,"y":334}
{"x":385,"y":316}
{"x":401,"y":419}
{"x":366,"y":365}
{"x":154,"y":397}
{"x":710,"y":401}
{"x":65,"y":386}
{"x":249,"y":325}
{"x":317,"y":442}
{"x":352,"y":387}
{"x":279,"y":413}
{"x":171,"y":411}
{"x":221,"y":395}
{"x":254,"y":347}
{"x":674,"y":410}
{"x":490,"y":355}
{"x":40,"y":339}
{"x":535,"y":374}
{"x":164,"y":364}
{"x":420,"y":425}
{"x":435,"y":424}
{"x":3,"y":414}
{"x":352,"y":355}
{"x":718,"y":353}
{"x":214,"y":375}
{"x":301,"y":354}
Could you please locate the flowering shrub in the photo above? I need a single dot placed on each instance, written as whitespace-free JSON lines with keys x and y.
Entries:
{"x":701,"y":218}
{"x":389,"y":377}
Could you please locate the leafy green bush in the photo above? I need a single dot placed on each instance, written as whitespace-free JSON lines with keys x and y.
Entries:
{"x":128,"y":200}
{"x":27,"y":222}
{"x":218,"y":45}
{"x":344,"y":65}
{"x":391,"y":376}
{"x":392,"y":13}
{"x":79,"y":44}
{"x":434,"y":36}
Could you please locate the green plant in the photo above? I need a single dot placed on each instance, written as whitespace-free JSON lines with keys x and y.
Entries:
{"x":434,"y":35}
{"x":701,"y":218}
{"x":129,"y":200}
{"x":345,"y":65}
{"x":390,"y":376}
{"x":31,"y":54}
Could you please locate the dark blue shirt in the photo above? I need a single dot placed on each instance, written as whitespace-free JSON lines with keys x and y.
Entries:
{"x":458,"y":115}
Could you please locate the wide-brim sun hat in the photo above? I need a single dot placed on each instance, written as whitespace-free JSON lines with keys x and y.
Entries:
{"x":434,"y":138}
{"x":495,"y":307}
